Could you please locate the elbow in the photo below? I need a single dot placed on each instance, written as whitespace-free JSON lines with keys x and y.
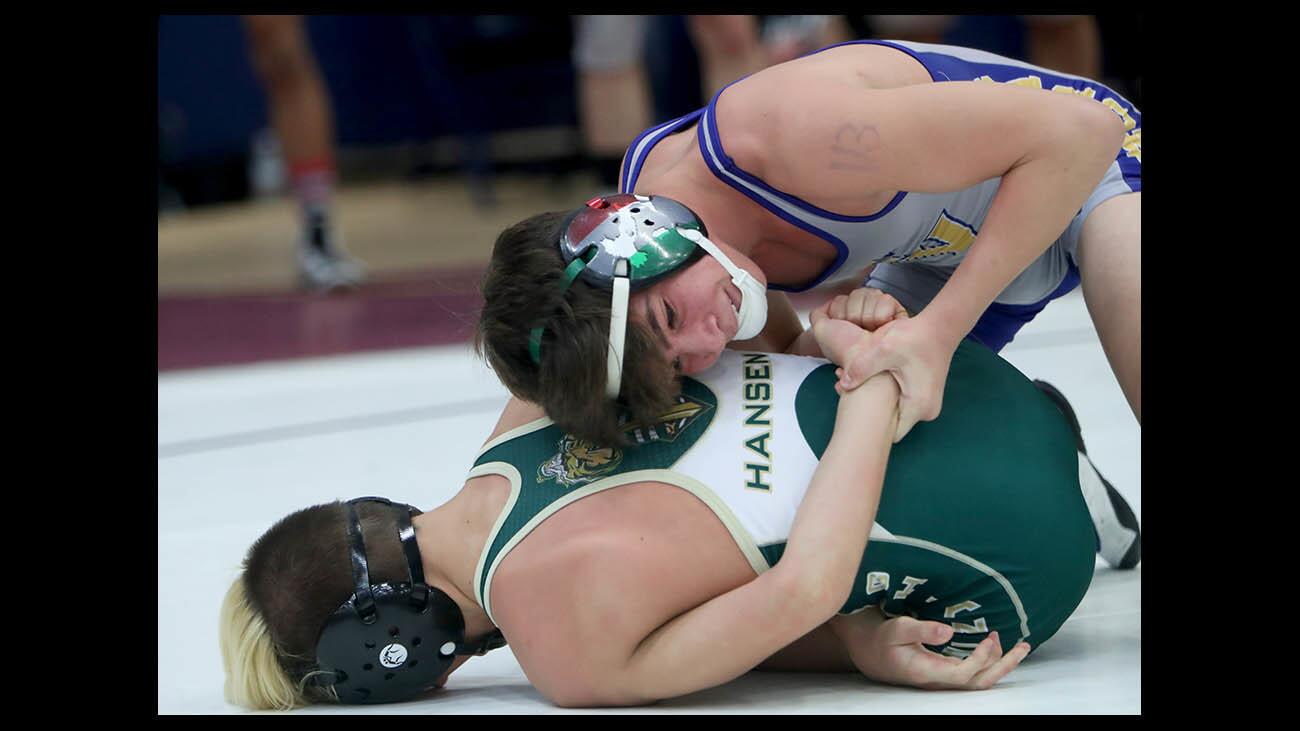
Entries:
{"x":814,"y":593}
{"x":1105,"y":126}
{"x":588,"y":687}
{"x":597,"y":698}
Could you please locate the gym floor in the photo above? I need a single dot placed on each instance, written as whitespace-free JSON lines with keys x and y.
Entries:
{"x":270,"y":399}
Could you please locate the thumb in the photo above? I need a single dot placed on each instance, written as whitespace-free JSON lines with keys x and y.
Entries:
{"x":836,"y":338}
{"x":818,"y":313}
{"x":873,"y":358}
{"x":865,"y":363}
{"x":907,"y":418}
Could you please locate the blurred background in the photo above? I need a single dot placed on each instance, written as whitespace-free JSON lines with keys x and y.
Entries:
{"x":334,"y":184}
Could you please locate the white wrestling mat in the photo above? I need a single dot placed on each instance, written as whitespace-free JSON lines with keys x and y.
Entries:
{"x":241,"y":447}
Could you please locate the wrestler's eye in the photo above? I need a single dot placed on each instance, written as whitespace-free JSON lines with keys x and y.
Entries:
{"x":672,"y":314}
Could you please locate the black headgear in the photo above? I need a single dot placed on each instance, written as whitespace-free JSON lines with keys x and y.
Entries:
{"x":390,"y":641}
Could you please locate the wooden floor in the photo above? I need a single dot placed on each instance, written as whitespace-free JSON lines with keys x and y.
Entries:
{"x":227,"y":276}
{"x":396,"y":228}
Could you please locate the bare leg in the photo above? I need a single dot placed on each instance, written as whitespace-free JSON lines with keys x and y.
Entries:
{"x":729,"y":48}
{"x":614,"y":107}
{"x":303,"y":119}
{"x":614,"y":103}
{"x":1110,"y":263}
{"x":296,"y":97}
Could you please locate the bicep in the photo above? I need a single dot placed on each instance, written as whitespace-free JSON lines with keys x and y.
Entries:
{"x":829,"y":137}
{"x":722,"y":638}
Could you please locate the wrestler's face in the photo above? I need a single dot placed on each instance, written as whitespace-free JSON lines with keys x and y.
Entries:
{"x":694,"y":311}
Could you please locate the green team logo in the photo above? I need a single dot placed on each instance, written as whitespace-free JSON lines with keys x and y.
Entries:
{"x":578,"y":461}
{"x":671,"y":425}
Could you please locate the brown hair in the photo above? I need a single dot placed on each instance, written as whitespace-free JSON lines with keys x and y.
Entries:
{"x":293,"y":578}
{"x":522,"y":290}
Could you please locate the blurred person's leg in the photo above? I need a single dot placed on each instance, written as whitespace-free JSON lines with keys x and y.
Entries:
{"x":837,"y":30}
{"x":729,"y":47}
{"x":299,"y":107}
{"x":916,"y":28}
{"x":1067,"y":43}
{"x":613,"y":88}
{"x":787,"y":37}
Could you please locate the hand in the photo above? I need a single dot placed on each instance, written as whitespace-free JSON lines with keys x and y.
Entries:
{"x":867,"y":307}
{"x":840,"y":342}
{"x":917,"y":355}
{"x":895,"y":653}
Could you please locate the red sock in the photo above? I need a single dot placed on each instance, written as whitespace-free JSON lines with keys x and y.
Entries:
{"x":313,"y":185}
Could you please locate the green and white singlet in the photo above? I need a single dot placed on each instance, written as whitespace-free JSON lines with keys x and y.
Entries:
{"x":981,"y":522}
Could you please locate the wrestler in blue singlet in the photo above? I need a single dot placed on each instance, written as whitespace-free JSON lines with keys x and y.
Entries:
{"x":918,"y":239}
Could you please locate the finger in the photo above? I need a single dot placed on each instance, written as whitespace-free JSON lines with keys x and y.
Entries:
{"x":838,"y":307}
{"x":859,"y":306}
{"x":866,"y":363}
{"x":908,"y":631}
{"x":817,"y":313}
{"x":886,"y":309}
{"x":989,"y":677}
{"x":985,"y":655}
{"x":873,"y":358}
{"x":946,"y":672}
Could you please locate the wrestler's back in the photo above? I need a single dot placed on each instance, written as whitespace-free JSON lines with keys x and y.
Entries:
{"x":585,"y":587}
{"x":594,"y":579}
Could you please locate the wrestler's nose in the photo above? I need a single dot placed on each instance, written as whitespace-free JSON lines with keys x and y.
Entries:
{"x":697,"y":348}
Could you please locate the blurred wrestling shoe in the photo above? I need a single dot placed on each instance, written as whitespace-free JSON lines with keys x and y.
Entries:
{"x":1119,"y":539}
{"x":322,"y":262}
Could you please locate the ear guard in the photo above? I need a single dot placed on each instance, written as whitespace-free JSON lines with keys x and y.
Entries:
{"x":390,"y":641}
{"x":626,"y":242}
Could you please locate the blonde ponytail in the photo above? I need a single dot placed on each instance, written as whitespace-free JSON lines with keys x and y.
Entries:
{"x":254,"y":677}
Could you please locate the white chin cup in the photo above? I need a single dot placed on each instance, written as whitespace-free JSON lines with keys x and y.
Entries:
{"x":752,"y":315}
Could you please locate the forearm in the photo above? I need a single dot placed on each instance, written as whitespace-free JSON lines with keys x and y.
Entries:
{"x":1032,"y":207}
{"x":830,"y":528}
{"x":805,"y":344}
{"x":855,"y":630}
{"x":819,"y":651}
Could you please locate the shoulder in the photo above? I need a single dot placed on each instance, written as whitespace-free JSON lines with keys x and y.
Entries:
{"x":560,"y":603}
{"x":769,"y":123}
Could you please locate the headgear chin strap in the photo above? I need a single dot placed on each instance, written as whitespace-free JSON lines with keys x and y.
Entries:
{"x":752,"y":315}
{"x":390,"y":641}
{"x":627,"y":242}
